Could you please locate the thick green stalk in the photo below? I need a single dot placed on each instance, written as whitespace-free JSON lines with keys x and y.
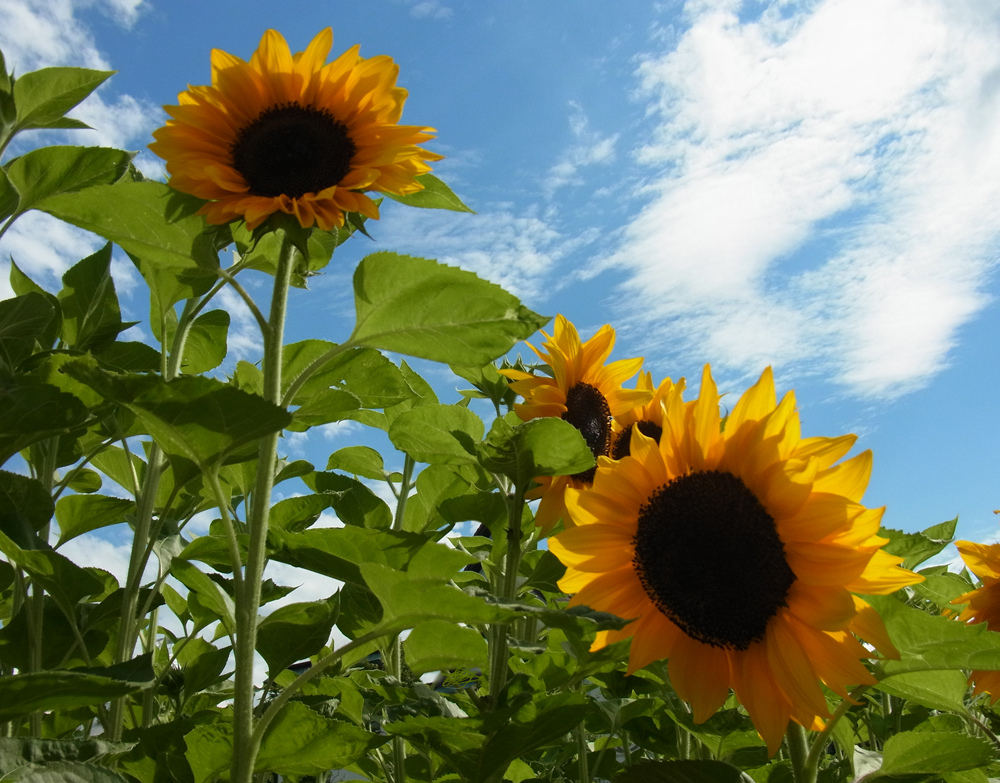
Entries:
{"x":811,"y":764}
{"x":395,"y":662}
{"x":798,"y":752}
{"x":498,"y":648}
{"x":246,"y":743}
{"x":581,"y":753}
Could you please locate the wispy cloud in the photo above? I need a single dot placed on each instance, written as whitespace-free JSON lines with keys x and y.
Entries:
{"x":589,"y":148}
{"x":823,"y":190}
{"x":518,"y":250}
{"x":430,"y":9}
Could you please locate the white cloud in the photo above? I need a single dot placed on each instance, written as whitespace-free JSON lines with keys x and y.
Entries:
{"x":430,"y":9}
{"x":590,"y":148}
{"x":516,"y":250}
{"x":863,"y":135}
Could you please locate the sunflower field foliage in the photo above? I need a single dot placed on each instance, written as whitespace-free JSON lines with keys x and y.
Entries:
{"x":581,"y":572}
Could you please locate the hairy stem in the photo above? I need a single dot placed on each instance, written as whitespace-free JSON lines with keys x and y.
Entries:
{"x":798,"y":752}
{"x":246,"y":742}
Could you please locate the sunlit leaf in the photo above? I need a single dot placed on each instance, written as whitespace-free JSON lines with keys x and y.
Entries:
{"x":938,"y":690}
{"x":435,"y":195}
{"x":147,"y":219}
{"x":49,"y":171}
{"x":79,"y":514}
{"x":541,"y":447}
{"x":43,"y":97}
{"x":358,"y":460}
{"x":438,"y":434}
{"x":438,"y":645}
{"x":419,"y":307}
{"x":912,"y":752}
{"x":295,"y":632}
{"x":206,"y":345}
{"x":91,"y":316}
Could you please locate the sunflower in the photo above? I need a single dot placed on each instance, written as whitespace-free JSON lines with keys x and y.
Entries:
{"x":648,"y":418}
{"x":584,"y":391}
{"x":294,"y":134}
{"x":983,"y":604}
{"x":736,"y":553}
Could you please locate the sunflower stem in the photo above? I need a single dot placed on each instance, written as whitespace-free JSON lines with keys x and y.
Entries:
{"x":246,"y":742}
{"x":821,"y":739}
{"x":798,"y":752}
{"x":581,"y":752}
{"x":498,"y":647}
{"x":394,"y":664}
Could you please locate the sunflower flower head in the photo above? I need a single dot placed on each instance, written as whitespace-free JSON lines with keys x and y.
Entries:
{"x":983,"y":604}
{"x":582,"y":390}
{"x":736,"y":552}
{"x":647,"y":418}
{"x":292,"y":133}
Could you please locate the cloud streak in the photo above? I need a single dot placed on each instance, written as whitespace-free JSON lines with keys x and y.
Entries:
{"x":823,"y":191}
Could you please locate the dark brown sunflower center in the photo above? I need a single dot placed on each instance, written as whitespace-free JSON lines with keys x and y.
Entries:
{"x":622,"y":448}
{"x":293,"y":150}
{"x":708,"y":555}
{"x":588,"y":411}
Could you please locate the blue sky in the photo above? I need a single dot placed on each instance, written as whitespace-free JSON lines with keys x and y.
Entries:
{"x":812,"y":185}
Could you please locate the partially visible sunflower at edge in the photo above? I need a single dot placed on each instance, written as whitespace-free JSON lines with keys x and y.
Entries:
{"x":736,"y":553}
{"x":294,"y":134}
{"x":983,"y":604}
{"x":648,"y":418}
{"x":584,"y":391}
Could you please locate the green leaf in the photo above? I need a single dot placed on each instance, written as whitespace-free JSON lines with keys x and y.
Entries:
{"x":438,"y":646}
{"x":419,"y":307}
{"x":209,"y":750}
{"x":435,"y":195}
{"x":193,"y":417}
{"x":296,"y":514}
{"x":25,"y":506}
{"x":8,"y":195}
{"x":147,"y":219}
{"x":324,"y":407}
{"x":438,"y":434}
{"x":34,"y":412}
{"x":23,"y":694}
{"x":49,"y":171}
{"x":43,"y":97}
{"x":67,"y":772}
{"x":295,"y":632}
{"x":18,"y":751}
{"x":353,"y":502}
{"x":302,"y":742}
{"x":941,"y":588}
{"x":91,"y":315}
{"x":363,"y":372}
{"x":916,"y":548}
{"x":938,"y":690}
{"x":61,"y":578}
{"x":24,"y":321}
{"x":209,"y":594}
{"x":928,"y":643}
{"x":540,"y":447}
{"x":84,"y":480}
{"x":206,"y":345}
{"x":79,"y":514}
{"x":358,"y":460}
{"x":682,"y":772}
{"x":919,"y":752}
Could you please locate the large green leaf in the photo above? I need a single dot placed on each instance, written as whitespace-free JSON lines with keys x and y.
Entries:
{"x":15,"y":752}
{"x":365,"y":373}
{"x":208,"y":592}
{"x":302,"y":742}
{"x":438,"y":434}
{"x":23,"y":694}
{"x":435,"y":195}
{"x":79,"y":514}
{"x":91,"y":315}
{"x":938,"y":690}
{"x":358,"y":460}
{"x":67,"y":772}
{"x":49,"y":171}
{"x":541,"y":447}
{"x":206,"y":345}
{"x":916,"y":548}
{"x":929,"y":642}
{"x":921,"y":752}
{"x":24,"y":321}
{"x":419,"y":307}
{"x":25,"y":506}
{"x":43,"y":97}
{"x":353,"y":502}
{"x":295,"y":632}
{"x":147,"y":219}
{"x":437,"y":645}
{"x":35,"y":411}
{"x":194,"y":418}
